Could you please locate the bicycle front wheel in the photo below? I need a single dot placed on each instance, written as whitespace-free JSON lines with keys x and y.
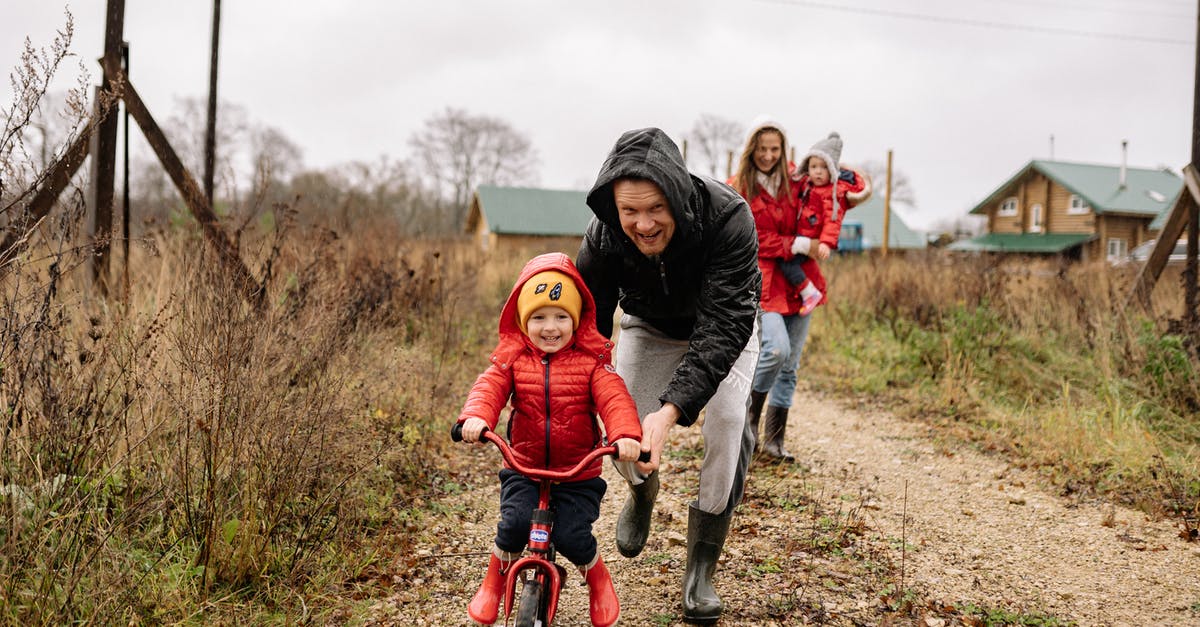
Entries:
{"x":530,"y":608}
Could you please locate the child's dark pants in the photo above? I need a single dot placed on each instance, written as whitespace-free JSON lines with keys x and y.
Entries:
{"x":576,"y":506}
{"x":793,"y":271}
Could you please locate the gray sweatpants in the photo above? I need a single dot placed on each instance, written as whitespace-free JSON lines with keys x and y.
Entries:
{"x":647,"y":359}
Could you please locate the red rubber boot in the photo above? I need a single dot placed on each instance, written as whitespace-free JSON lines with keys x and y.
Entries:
{"x":602,"y":597}
{"x":485,"y":605}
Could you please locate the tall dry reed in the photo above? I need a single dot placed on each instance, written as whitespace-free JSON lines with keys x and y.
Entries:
{"x":173,"y":446}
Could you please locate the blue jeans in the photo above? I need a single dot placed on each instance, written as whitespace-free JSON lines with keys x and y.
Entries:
{"x":782,"y":342}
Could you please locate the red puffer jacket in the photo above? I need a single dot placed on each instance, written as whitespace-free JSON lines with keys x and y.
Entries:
{"x":554,"y":396}
{"x":775,"y":220}
{"x":817,"y":218}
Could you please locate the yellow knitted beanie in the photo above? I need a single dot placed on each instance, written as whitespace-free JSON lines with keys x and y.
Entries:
{"x":548,"y":289}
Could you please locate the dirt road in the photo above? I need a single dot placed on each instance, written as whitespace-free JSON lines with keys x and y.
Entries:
{"x":978,"y":531}
{"x":986,"y":532}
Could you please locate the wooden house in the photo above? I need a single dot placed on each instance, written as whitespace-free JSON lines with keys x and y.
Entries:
{"x":528,"y":218}
{"x":1077,"y":210}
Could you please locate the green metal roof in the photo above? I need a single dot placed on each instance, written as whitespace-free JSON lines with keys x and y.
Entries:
{"x":1022,"y":242}
{"x":1146,"y":191}
{"x":532,"y":211}
{"x":870,"y":216}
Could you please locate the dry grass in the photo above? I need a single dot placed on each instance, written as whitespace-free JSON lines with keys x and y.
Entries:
{"x":1036,"y":358}
{"x":172,"y":451}
{"x":173,"y":454}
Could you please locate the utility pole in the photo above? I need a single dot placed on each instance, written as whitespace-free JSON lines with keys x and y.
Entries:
{"x":887,"y":206}
{"x":104,"y":147}
{"x":125,"y":187}
{"x":210,"y":134}
{"x":1191,"y":316}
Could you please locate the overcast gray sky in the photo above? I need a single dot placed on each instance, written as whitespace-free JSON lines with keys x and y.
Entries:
{"x":964,"y":92}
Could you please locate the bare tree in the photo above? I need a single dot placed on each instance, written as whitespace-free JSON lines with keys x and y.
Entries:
{"x":459,"y":151}
{"x":902,"y":189}
{"x":254,"y":163}
{"x":714,"y":136}
{"x":274,"y":156}
{"x":186,"y":128}
{"x":359,"y":191}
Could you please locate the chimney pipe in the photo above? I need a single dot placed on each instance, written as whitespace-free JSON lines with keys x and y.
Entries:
{"x":1124,"y":155}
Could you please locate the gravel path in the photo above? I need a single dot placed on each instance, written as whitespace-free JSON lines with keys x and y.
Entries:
{"x":978,"y":531}
{"x":987,"y":532}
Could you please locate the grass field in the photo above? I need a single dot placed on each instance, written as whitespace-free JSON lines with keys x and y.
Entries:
{"x":174,"y":454}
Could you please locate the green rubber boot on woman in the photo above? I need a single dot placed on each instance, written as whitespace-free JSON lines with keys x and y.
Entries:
{"x":773,"y":433}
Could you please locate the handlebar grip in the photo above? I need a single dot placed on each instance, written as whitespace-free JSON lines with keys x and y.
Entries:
{"x":456,"y":432}
{"x":643,"y":457}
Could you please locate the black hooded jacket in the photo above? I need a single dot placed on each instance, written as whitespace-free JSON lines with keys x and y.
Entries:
{"x":703,"y":288}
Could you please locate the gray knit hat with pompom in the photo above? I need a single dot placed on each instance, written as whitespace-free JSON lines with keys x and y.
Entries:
{"x":828,"y":150}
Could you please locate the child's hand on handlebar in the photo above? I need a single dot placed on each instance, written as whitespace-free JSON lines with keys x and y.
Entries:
{"x":628,"y":449}
{"x":471,"y":429}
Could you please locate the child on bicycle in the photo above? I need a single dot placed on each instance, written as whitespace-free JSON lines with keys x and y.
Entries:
{"x":554,"y":367}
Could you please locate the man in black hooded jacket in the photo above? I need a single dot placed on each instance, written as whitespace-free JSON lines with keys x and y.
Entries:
{"x":679,"y":254}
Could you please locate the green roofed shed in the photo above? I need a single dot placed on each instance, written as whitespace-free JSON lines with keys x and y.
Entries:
{"x":869,"y":217}
{"x":523,"y":215}
{"x":1022,"y":242}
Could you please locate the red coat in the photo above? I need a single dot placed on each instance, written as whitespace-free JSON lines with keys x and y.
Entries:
{"x":817,"y":219}
{"x":775,"y":219}
{"x":555,"y":397}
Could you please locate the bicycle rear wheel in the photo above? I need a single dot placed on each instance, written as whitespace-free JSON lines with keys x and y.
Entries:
{"x":531,"y":607}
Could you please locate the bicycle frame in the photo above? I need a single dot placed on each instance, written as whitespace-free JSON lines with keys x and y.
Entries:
{"x":540,"y":563}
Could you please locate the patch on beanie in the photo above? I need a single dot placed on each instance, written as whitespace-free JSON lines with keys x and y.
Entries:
{"x":554,"y":294}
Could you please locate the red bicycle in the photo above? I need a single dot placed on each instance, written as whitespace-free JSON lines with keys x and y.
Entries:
{"x":540,"y":576}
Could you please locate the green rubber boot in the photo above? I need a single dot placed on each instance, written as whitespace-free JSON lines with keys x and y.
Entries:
{"x":705,"y":540}
{"x":773,"y":432}
{"x":633,"y":525}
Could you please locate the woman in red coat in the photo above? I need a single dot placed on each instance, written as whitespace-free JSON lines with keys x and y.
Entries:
{"x":790,"y":232}
{"x":553,"y":366}
{"x":763,"y":179}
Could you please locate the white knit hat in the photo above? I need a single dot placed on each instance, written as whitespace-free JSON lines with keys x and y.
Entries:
{"x":761,"y":122}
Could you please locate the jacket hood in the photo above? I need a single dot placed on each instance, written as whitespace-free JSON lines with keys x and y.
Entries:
{"x":649,"y":154}
{"x":513,"y":340}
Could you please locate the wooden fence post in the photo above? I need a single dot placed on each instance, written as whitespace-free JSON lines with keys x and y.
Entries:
{"x":193,"y":196}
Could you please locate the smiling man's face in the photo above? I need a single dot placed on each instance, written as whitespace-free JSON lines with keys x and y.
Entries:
{"x":645,"y":215}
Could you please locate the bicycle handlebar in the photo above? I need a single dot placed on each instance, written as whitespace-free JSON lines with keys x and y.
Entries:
{"x":541,"y":473}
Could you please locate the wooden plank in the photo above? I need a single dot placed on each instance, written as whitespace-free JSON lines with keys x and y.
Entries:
{"x":1177,"y":218}
{"x":192,"y":195}
{"x":16,"y":234}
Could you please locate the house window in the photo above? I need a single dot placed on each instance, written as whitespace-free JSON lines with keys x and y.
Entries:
{"x":1078,"y":205}
{"x":1035,"y":219}
{"x":1008,"y":207}
{"x":1116,"y":248}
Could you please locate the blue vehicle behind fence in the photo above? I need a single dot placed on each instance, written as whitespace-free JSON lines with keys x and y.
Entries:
{"x":851,"y":238}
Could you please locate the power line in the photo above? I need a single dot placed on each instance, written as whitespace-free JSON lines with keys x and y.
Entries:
{"x":1093,"y":8}
{"x":981,"y":23}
